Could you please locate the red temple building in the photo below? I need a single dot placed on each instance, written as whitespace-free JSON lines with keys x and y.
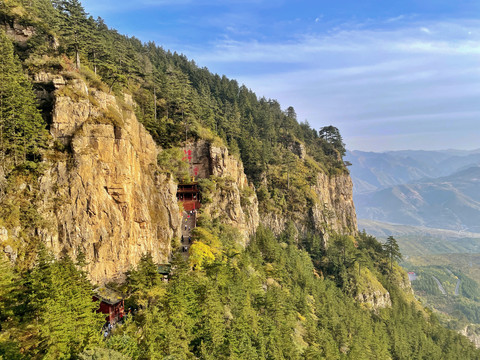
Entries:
{"x":111,"y":304}
{"x":189,"y":195}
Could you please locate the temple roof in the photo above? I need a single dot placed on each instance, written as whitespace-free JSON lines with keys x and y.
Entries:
{"x":164,"y":269}
{"x":108,"y":295}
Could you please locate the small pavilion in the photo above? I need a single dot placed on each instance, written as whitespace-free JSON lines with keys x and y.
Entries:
{"x":189,"y":195}
{"x":111,"y":303}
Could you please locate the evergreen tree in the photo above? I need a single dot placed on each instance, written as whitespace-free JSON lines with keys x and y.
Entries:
{"x":393,"y":250}
{"x":62,"y":312}
{"x":332,"y":136}
{"x":74,"y":27}
{"x":22,"y":130}
{"x":11,"y":299}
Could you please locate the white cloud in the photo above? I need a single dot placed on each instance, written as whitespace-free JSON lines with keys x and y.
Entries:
{"x":395,"y":19}
{"x":369,"y":81}
{"x":425,"y":30}
{"x":446,"y":39}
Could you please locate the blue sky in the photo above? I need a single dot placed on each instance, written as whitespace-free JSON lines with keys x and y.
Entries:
{"x":389,"y":74}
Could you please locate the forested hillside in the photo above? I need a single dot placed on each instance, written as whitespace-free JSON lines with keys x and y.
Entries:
{"x":293,"y":295}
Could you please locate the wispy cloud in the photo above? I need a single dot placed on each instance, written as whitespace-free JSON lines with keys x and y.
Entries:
{"x":369,"y":76}
{"x":394,"y":80}
{"x":444,"y":38}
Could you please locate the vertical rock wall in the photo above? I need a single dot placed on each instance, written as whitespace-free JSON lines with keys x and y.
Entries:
{"x":333,"y":210}
{"x":234,"y":201}
{"x":107,"y":196}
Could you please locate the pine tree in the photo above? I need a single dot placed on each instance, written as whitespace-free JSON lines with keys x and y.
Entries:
{"x":22,"y":129}
{"x":332,"y":136}
{"x":74,"y":26}
{"x":63,"y":314}
{"x":393,"y":250}
{"x":10,"y":301}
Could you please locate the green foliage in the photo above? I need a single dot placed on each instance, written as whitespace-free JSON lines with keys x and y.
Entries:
{"x":393,"y":250}
{"x":333,"y":139}
{"x":61,"y":302}
{"x":102,"y":354}
{"x":266,"y":302}
{"x":53,"y":316}
{"x":23,"y":139}
{"x":171,"y":160}
{"x":10,"y":290}
{"x":207,"y":188}
{"x":271,"y":300}
{"x":22,"y":130}
{"x":73,"y":27}
{"x":144,"y":282}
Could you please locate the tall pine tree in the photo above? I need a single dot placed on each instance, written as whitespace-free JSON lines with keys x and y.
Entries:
{"x":74,"y":27}
{"x":22,"y":129}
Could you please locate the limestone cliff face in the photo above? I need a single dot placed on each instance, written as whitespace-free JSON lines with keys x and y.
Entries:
{"x":371,"y":292}
{"x":333,"y":210}
{"x":375,"y":300}
{"x":106,"y":197}
{"x":234,"y":200}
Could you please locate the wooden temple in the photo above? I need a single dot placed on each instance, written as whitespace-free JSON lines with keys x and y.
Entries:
{"x":111,"y":303}
{"x":189,"y":195}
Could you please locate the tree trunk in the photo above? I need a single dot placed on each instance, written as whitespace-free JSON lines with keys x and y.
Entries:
{"x":155,"y":102}
{"x":77,"y":59}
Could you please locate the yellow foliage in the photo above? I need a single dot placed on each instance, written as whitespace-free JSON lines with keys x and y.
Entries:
{"x":205,"y":249}
{"x":205,"y":236}
{"x":200,"y":254}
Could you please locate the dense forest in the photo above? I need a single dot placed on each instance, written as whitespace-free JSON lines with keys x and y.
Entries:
{"x":281,"y":297}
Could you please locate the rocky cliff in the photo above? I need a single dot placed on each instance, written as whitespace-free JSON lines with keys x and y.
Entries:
{"x":333,"y":209}
{"x":233,"y":199}
{"x":105,"y":196}
{"x":370,"y":292}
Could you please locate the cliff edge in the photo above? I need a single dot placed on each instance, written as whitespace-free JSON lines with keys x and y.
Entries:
{"x":105,"y":197}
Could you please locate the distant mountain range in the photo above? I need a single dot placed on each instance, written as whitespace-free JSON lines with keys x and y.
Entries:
{"x":436,"y":189}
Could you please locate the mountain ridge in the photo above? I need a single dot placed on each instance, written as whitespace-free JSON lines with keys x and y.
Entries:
{"x":101,"y":203}
{"x":429,"y":188}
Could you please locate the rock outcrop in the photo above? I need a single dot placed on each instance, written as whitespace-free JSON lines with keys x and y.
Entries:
{"x":106,"y":197}
{"x":472,"y":332}
{"x":333,"y":209}
{"x":375,"y":299}
{"x":234,"y":200}
{"x":372,"y":294}
{"x":17,"y":32}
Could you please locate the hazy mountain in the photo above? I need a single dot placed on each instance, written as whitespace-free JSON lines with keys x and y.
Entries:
{"x":373,"y":171}
{"x":451,"y":202}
